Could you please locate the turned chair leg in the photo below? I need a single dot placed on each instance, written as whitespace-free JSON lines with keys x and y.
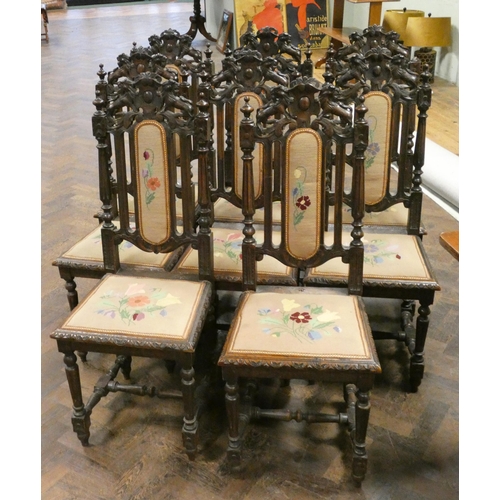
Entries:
{"x":360,"y":457}
{"x":417,"y":360}
{"x":233,"y":413}
{"x":81,"y":418}
{"x":170,"y":365}
{"x":126,"y":367}
{"x":190,"y":426}
{"x":72,"y":294}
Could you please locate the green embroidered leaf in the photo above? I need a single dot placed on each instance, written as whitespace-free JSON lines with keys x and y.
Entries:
{"x":272,"y":321}
{"x":151,"y":309}
{"x":298,"y":217}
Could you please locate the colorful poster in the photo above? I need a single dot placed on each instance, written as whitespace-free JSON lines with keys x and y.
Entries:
{"x":252,"y":15}
{"x":304,"y":17}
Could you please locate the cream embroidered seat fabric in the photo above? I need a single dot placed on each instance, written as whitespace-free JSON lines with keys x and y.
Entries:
{"x":390,"y":257}
{"x":395,"y":267}
{"x":228,"y":263}
{"x":132,"y":312}
{"x":85,"y":259}
{"x":294,"y":332}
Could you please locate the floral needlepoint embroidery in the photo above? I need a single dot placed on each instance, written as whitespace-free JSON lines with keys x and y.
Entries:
{"x":151,"y":183}
{"x":230,"y":247}
{"x":379,"y":251}
{"x":301,"y":201}
{"x":301,"y":317}
{"x":136,"y":304}
{"x":373,"y":148}
{"x":310,"y":324}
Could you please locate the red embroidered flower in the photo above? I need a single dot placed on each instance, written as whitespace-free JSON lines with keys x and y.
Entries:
{"x":138,"y":316}
{"x":153,"y":183}
{"x":138,"y":301}
{"x":300,"y":317}
{"x":303,"y":202}
{"x":146,"y":155}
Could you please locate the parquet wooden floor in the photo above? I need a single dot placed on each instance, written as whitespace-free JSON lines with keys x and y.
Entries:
{"x":136,"y":449}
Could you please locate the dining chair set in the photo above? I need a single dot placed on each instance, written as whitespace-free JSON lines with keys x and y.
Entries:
{"x":298,"y":198}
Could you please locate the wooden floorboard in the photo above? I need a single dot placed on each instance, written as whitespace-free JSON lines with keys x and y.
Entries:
{"x":136,"y":448}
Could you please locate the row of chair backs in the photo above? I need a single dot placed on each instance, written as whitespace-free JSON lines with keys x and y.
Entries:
{"x":149,"y":125}
{"x":377,"y":66}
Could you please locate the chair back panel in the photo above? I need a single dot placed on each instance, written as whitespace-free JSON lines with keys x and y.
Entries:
{"x":150,"y":126}
{"x":303,"y":192}
{"x":256,"y":102}
{"x":377,"y":162}
{"x":152,"y":181}
{"x":298,"y":125}
{"x":376,"y":62}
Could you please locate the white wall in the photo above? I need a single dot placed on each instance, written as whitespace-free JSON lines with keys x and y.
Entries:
{"x":357,"y":15}
{"x":447,"y":57}
{"x":214,"y":15}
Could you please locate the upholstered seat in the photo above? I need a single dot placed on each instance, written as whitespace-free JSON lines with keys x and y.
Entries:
{"x":388,"y":257}
{"x":89,"y":251}
{"x":226,"y":212}
{"x":135,"y":310}
{"x":396,"y":215}
{"x":317,"y":328}
{"x":228,"y":266}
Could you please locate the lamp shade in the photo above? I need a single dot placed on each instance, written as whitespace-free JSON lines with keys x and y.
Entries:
{"x":395,"y":20}
{"x":428,"y":32}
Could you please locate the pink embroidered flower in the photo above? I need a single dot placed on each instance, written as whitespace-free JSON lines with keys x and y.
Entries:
{"x":138,"y":301}
{"x":153,"y":183}
{"x":301,"y":317}
{"x":146,"y":155}
{"x":303,"y":202}
{"x":138,"y":316}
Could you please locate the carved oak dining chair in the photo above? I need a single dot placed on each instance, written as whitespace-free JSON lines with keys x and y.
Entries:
{"x":143,"y":313}
{"x":84,"y":259}
{"x":243,"y":76}
{"x":374,"y":65}
{"x":396,"y":264}
{"x":295,"y":332}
